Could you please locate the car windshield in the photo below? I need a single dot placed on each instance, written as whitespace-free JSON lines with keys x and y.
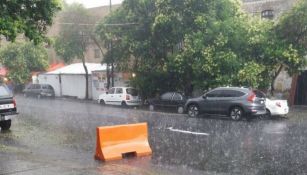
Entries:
{"x":132,"y":91}
{"x":4,"y":91}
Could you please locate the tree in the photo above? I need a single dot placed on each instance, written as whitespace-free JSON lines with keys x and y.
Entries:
{"x":75,"y":37}
{"x":292,"y":27}
{"x":23,"y":58}
{"x":197,"y":44}
{"x":288,"y":42}
{"x":30,"y":18}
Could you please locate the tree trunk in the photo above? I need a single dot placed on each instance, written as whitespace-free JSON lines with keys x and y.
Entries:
{"x":274,"y":78}
{"x":86,"y":77}
{"x":108,"y":76}
{"x":112,"y":73}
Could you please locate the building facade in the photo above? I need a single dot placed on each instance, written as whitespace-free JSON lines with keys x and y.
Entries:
{"x":270,"y":9}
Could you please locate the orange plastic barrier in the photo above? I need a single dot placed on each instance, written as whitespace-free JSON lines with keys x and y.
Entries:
{"x":115,"y":141}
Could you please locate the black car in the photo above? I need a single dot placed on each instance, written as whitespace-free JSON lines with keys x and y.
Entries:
{"x":8,"y":109}
{"x":235,"y":102}
{"x":168,"y":100}
{"x":39,"y":90}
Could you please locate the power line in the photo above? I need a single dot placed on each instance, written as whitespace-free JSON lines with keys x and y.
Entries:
{"x":94,"y":24}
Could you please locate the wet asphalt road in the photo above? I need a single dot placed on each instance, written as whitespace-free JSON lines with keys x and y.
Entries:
{"x":58,"y":137}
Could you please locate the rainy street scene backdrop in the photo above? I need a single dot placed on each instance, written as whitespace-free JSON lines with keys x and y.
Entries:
{"x":146,"y":87}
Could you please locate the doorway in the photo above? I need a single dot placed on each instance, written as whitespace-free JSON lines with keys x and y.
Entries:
{"x":301,"y":90}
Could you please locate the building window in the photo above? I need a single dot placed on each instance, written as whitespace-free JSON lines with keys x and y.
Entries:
{"x":268,"y":14}
{"x":97,"y":53}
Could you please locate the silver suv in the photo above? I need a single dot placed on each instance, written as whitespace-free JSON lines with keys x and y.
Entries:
{"x":234,"y":102}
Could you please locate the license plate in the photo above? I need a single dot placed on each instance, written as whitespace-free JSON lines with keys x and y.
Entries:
{"x":7,"y":106}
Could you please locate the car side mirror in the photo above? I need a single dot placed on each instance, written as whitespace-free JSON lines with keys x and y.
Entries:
{"x":205,"y":96}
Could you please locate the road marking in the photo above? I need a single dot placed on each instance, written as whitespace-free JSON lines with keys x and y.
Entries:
{"x":188,"y":132}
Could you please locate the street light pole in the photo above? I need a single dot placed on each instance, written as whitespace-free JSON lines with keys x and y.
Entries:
{"x":111,"y":54}
{"x":108,"y":62}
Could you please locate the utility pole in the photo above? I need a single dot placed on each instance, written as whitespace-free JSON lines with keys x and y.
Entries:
{"x":108,"y":62}
{"x":111,"y":52}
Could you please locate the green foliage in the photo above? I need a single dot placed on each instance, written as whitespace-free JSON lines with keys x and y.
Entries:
{"x":30,"y":18}
{"x":250,"y":74}
{"x":197,"y":44}
{"x":23,"y":58}
{"x":75,"y":36}
{"x":73,"y":39}
{"x":292,"y":27}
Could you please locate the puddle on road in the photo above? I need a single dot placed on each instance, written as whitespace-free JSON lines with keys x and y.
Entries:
{"x":275,"y":128}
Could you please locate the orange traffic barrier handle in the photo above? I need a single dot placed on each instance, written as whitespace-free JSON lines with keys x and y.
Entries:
{"x":113,"y":142}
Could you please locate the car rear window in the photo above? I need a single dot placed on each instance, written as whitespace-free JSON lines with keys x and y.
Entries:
{"x":4,"y":91}
{"x":177,"y":96}
{"x":132,"y":92}
{"x":259,"y":94}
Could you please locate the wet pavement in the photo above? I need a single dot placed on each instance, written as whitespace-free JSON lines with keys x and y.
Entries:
{"x":58,"y":136}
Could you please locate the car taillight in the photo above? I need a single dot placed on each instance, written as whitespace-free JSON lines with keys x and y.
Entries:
{"x":14,"y":102}
{"x":251,"y":97}
{"x":127,"y":97}
{"x":278,"y":104}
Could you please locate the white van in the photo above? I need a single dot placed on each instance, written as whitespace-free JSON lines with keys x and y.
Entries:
{"x":124,"y":96}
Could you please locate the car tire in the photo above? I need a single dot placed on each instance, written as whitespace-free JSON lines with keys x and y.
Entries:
{"x":5,"y":125}
{"x":267,"y":115}
{"x":236,"y":113}
{"x":151,"y":107}
{"x":180,"y":110}
{"x":124,"y":104}
{"x":102,"y":102}
{"x":193,"y":110}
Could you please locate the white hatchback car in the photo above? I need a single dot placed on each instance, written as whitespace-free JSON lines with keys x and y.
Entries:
{"x":124,"y":96}
{"x":276,"y":107}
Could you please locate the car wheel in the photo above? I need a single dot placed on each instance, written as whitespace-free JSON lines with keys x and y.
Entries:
{"x":193,"y":110}
{"x":124,"y":104}
{"x":180,"y":110}
{"x":236,"y":113}
{"x":102,"y":102}
{"x":151,"y":107}
{"x":267,"y":115}
{"x":5,"y":125}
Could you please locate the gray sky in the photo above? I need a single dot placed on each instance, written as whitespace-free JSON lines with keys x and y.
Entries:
{"x":94,"y":3}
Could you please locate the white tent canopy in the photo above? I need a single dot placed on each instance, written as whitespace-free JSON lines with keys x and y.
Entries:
{"x":78,"y":68}
{"x":70,"y":80}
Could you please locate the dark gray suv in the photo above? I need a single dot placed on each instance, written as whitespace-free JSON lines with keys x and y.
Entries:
{"x":39,"y":90}
{"x":234,"y":102}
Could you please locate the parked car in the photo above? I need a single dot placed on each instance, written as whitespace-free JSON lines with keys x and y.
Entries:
{"x":168,"y":100}
{"x":276,"y":108}
{"x":8,"y":109}
{"x":235,"y":102}
{"x":124,"y":96}
{"x":39,"y":90}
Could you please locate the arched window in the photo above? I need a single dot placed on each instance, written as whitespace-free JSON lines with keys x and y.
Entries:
{"x":268,"y":14}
